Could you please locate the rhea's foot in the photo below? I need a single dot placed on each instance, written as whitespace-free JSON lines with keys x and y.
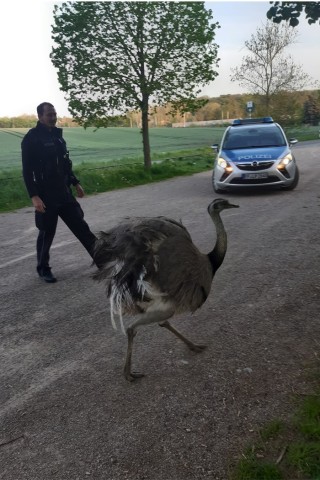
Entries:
{"x":132,"y":376}
{"x":197,"y":348}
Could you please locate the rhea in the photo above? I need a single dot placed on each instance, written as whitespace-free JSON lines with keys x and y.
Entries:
{"x":152,"y":271}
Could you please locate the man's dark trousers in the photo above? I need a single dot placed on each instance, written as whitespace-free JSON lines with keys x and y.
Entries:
{"x":72,"y":215}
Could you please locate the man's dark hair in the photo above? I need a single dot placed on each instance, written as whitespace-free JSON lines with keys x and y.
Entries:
{"x":40,"y":108}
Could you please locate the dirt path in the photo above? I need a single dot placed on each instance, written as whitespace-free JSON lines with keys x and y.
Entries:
{"x":67,"y":413}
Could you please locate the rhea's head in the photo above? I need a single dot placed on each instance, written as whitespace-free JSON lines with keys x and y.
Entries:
{"x":219,"y":204}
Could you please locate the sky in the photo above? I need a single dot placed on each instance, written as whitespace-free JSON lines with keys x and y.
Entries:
{"x":28,"y":77}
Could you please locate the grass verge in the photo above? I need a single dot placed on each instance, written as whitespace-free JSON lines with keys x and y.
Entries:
{"x":286,"y":450}
{"x":104,"y":177}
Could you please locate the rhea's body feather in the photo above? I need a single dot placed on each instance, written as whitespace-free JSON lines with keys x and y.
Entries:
{"x":141,"y":258}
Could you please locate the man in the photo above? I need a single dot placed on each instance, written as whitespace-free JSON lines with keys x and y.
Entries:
{"x":48,"y":176}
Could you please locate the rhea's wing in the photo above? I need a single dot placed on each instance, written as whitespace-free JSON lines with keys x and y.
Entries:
{"x":128,"y":252}
{"x":184,"y":273}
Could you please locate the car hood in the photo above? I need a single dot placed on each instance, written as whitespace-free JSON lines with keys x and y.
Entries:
{"x":243,"y":155}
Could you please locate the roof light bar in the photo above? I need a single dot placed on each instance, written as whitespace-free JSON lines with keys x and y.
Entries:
{"x":245,"y":121}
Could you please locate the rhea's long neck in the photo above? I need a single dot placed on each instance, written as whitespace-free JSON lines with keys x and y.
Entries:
{"x":217,"y":255}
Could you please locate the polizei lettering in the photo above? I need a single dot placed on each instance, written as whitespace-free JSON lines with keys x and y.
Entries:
{"x":254,"y":157}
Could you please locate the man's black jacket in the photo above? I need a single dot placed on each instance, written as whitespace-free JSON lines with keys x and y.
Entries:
{"x":47,"y":169}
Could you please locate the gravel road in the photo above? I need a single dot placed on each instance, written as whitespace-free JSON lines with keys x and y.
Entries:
{"x":67,"y":413}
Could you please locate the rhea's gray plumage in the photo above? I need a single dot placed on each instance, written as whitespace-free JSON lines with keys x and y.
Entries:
{"x":152,"y":270}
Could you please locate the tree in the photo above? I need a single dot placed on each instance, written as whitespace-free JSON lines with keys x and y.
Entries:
{"x":210,"y":111}
{"x":266,"y":71}
{"x":286,"y":109}
{"x":311,"y":111}
{"x":290,"y":11}
{"x":113,"y":57}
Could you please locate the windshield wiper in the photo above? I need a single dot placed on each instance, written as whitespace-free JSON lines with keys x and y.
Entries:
{"x":234,"y":148}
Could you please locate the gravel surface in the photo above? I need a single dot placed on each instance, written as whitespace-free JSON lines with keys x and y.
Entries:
{"x":67,"y":413}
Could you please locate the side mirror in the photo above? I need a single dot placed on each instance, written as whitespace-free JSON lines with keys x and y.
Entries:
{"x":293,"y":141}
{"x":215,"y":147}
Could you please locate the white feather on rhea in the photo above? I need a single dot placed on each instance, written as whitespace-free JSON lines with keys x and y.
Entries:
{"x":121,"y":299}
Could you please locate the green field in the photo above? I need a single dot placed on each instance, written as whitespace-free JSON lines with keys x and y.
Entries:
{"x":112,"y":144}
{"x":111,"y":158}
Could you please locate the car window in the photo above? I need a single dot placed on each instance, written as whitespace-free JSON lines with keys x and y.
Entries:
{"x":249,"y":137}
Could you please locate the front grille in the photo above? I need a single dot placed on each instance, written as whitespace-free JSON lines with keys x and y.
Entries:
{"x":254,"y":168}
{"x":254,"y":181}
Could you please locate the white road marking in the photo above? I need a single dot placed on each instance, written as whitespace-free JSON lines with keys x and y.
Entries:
{"x":23,"y":257}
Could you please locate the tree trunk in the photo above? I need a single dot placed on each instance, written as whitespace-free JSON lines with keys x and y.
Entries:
{"x":145,"y":133}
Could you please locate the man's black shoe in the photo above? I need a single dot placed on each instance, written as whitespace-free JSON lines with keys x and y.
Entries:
{"x":46,"y":275}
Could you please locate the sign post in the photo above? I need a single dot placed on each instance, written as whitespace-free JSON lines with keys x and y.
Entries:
{"x":250,"y":108}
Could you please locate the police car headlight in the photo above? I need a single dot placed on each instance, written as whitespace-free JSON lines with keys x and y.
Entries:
{"x":225,"y":165}
{"x":285,"y":161}
{"x":222,"y":162}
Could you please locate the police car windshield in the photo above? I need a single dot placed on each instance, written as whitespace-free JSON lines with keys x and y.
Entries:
{"x":252,"y":136}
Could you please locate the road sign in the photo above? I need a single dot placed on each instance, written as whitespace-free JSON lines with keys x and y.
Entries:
{"x":250,"y":107}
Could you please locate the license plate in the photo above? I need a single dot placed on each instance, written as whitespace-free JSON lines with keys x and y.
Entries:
{"x":254,"y":176}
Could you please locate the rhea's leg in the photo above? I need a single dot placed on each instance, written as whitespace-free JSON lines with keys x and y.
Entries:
{"x":191,"y":345}
{"x":146,"y":318}
{"x":130,"y":376}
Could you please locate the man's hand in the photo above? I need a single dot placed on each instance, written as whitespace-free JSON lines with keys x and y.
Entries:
{"x":38,"y":204}
{"x":80,"y":191}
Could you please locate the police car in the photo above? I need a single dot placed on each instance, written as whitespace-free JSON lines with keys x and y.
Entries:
{"x":254,"y":152}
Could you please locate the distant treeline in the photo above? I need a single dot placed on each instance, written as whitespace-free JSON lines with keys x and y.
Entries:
{"x":29,"y":121}
{"x":289,"y":108}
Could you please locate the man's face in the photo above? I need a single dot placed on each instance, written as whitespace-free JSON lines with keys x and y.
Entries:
{"x":49,"y":116}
